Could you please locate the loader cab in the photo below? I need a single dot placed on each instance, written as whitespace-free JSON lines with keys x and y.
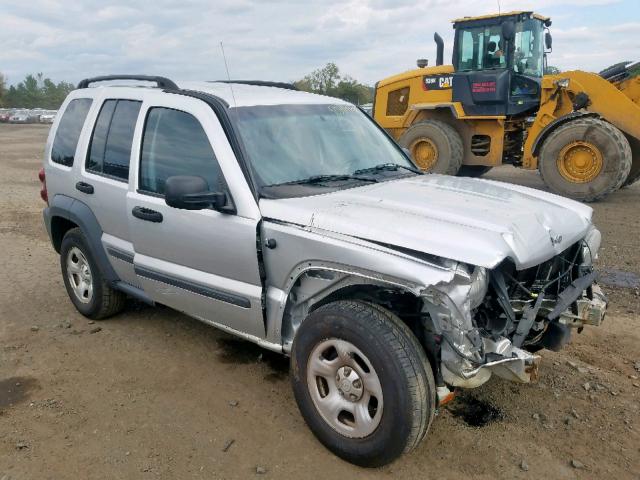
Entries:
{"x":499,"y":63}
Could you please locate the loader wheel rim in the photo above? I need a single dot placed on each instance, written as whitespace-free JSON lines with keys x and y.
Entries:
{"x":580,"y":162}
{"x":424,"y":152}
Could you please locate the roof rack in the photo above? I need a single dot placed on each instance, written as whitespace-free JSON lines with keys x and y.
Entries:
{"x":161,"y":82}
{"x":261,"y":83}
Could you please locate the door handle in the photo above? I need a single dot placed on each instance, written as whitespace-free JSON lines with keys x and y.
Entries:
{"x":147,"y":214}
{"x":84,"y":188}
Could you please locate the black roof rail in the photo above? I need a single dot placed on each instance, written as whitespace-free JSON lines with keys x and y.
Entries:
{"x":162,"y":82}
{"x":261,"y":83}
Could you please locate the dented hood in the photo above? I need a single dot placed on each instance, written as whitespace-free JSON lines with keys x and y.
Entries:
{"x":479,"y":222}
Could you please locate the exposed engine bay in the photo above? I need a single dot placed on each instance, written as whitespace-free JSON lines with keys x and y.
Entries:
{"x":507,"y":315}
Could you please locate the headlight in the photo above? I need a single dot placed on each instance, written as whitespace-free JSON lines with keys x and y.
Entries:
{"x":591,"y":245}
{"x":479,"y":286}
{"x":562,"y":83}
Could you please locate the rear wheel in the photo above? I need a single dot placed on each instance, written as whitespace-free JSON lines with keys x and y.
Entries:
{"x":434,"y":146}
{"x":362,"y":382}
{"x":585,"y":159}
{"x":88,"y":290}
{"x":473,"y":170}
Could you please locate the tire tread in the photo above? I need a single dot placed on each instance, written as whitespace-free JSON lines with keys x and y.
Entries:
{"x":622,"y":167}
{"x":452,"y":136}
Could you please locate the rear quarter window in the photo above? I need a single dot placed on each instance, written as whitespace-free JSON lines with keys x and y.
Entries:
{"x":66,"y":140}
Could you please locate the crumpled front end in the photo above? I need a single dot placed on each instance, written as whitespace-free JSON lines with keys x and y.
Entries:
{"x":488,"y":322}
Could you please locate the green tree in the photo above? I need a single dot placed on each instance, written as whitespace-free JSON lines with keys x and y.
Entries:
{"x":328,"y":81}
{"x":3,"y":88}
{"x":36,"y":91}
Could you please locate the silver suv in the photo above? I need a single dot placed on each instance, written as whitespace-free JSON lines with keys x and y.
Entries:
{"x":293,"y":221}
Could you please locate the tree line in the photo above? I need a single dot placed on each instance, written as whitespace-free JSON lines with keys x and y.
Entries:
{"x":35,"y":91}
{"x":329,"y":81}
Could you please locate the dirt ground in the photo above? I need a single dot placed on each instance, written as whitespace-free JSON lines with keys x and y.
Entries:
{"x":152,"y":393}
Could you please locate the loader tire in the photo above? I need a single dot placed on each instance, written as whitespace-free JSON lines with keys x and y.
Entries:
{"x":434,"y":146}
{"x":585,"y":159}
{"x":634,"y":174}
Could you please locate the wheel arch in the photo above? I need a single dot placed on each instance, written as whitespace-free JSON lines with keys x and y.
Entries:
{"x":551,"y":127}
{"x":316,"y":285}
{"x":65,"y":213}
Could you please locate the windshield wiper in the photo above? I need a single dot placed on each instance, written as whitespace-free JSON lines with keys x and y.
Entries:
{"x":388,"y":167}
{"x":315,"y":179}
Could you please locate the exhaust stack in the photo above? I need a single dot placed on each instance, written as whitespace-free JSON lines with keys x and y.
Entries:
{"x":440,"y":48}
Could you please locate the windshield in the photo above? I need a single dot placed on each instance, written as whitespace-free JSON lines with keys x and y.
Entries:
{"x":483,"y":48}
{"x":287,"y":143}
{"x":529,"y":48}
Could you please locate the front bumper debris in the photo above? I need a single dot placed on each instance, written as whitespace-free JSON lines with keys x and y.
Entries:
{"x":590,"y":311}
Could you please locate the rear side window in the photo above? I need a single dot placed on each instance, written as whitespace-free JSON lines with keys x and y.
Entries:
{"x":174,"y":143}
{"x":110,"y":149}
{"x":68,"y":133}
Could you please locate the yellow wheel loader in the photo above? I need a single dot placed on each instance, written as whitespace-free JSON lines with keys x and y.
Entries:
{"x":494,"y":105}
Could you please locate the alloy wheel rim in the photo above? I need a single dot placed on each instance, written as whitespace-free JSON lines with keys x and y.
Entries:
{"x":580,"y":162}
{"x":345,"y":388}
{"x":79,"y":275}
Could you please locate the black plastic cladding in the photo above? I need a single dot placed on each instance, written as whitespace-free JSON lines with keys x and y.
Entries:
{"x":221,"y":109}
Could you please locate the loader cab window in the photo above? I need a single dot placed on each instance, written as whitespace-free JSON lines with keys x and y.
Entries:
{"x":481,"y":48}
{"x":529,"y":48}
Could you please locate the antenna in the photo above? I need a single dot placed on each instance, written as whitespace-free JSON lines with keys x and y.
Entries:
{"x":224,"y":57}
{"x":498,"y":6}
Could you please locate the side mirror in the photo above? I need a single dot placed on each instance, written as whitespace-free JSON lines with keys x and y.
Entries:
{"x":508,"y":30}
{"x":548,"y":41}
{"x":190,"y":192}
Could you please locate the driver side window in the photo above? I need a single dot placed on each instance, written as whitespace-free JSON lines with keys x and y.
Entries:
{"x":174,"y":143}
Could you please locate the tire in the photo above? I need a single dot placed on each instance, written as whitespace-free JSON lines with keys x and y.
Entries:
{"x":378,"y":341}
{"x":89,"y":292}
{"x":634,"y":173}
{"x":473,"y":170}
{"x":600,"y":142}
{"x":435,"y":146}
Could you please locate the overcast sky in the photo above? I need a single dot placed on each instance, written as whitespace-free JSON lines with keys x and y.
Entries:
{"x":281,"y":39}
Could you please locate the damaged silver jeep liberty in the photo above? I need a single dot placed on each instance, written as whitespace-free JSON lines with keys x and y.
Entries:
{"x":293,"y":221}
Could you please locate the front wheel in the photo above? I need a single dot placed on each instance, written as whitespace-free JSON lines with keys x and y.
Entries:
{"x":362,"y":382}
{"x":585,"y":159}
{"x":434,"y":146}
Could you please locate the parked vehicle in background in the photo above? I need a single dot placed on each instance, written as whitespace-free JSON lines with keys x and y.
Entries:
{"x":48,"y":116}
{"x":20,"y":116}
{"x":293,"y":221}
{"x":5,"y":113}
{"x":34,"y":115}
{"x":367,"y":108}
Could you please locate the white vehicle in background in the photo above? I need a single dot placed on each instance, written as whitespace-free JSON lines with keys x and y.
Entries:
{"x":48,"y":116}
{"x":367,"y":108}
{"x":19,"y":116}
